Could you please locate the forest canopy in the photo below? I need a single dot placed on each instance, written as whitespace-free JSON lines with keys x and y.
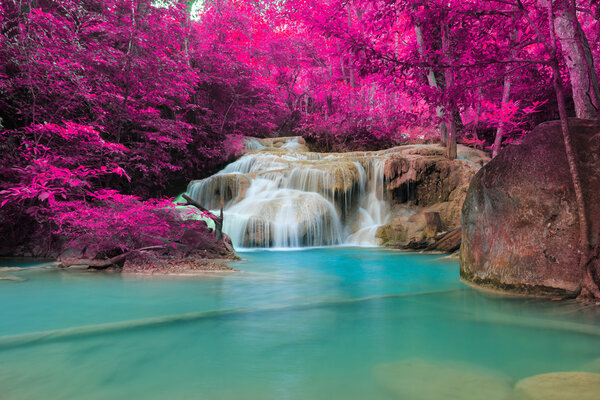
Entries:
{"x":136,"y":98}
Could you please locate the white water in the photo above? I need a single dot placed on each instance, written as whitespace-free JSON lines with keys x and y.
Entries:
{"x":282,"y":196}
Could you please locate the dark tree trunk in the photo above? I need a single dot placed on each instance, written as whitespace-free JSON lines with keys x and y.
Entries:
{"x":589,"y":288}
{"x":218,"y":220}
{"x":450,"y":104}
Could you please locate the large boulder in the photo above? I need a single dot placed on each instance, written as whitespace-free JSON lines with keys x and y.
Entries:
{"x":520,"y":228}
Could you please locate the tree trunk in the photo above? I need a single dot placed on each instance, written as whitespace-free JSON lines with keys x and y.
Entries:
{"x":433,"y":82}
{"x":579,"y":60}
{"x":588,"y":287}
{"x":450,"y":105}
{"x":502,"y":125}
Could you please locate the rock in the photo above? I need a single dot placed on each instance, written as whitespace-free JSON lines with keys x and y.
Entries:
{"x":433,"y":223}
{"x":423,"y":176}
{"x":520,"y":225}
{"x":449,"y":211}
{"x":152,"y":263}
{"x":72,"y":252}
{"x":413,"y":231}
{"x":392,"y":234}
{"x":425,"y":380}
{"x":208,"y":192}
{"x":559,"y":386}
{"x":73,"y":256}
{"x":448,"y":242}
{"x":228,"y":244}
{"x":410,"y":227}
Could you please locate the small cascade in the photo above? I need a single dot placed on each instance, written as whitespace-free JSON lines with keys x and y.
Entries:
{"x":281,"y":195}
{"x":374,"y":210}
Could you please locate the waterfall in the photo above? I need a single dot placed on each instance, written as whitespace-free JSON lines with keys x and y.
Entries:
{"x":280,"y":195}
{"x":374,"y":210}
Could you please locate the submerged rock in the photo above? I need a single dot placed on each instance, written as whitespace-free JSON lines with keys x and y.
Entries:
{"x":426,"y":380}
{"x":559,"y":386}
{"x":520,"y":225}
{"x":11,"y":278}
{"x":592,"y":366}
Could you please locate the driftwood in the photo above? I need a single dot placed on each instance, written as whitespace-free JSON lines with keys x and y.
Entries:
{"x":103,"y":264}
{"x":218,"y":220}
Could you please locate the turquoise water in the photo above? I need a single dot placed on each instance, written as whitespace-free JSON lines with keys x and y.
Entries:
{"x":312,"y":324}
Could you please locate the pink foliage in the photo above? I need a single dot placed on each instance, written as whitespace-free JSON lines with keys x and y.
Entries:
{"x":106,"y":99}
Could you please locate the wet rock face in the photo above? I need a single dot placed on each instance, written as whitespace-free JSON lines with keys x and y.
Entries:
{"x":519,"y":219}
{"x":424,"y":176}
{"x":422,"y":180}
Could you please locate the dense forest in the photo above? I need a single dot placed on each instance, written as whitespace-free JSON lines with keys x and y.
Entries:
{"x":108,"y":106}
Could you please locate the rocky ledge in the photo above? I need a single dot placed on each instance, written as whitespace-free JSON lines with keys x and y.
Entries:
{"x":520,"y":228}
{"x":426,"y":192}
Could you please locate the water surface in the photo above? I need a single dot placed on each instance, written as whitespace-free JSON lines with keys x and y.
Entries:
{"x":311,"y":324}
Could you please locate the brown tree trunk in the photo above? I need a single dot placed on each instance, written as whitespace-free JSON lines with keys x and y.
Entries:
{"x":579,"y":60}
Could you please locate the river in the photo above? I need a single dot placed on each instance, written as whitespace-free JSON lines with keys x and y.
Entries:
{"x":329,"y":323}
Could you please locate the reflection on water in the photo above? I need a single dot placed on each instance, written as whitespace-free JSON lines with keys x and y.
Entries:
{"x":338,"y":323}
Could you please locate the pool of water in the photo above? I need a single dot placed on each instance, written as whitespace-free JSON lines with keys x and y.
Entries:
{"x":312,"y":324}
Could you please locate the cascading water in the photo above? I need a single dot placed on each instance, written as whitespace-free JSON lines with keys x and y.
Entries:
{"x":281,"y":195}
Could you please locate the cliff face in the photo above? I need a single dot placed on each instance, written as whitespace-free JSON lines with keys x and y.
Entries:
{"x":519,"y":219}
